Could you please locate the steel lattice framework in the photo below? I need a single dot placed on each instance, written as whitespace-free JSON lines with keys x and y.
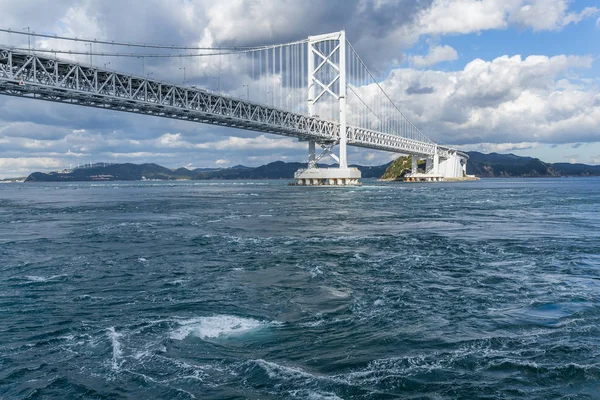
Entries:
{"x":41,"y":77}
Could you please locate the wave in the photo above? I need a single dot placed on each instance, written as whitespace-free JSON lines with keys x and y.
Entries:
{"x":117,"y":352}
{"x":314,"y":395}
{"x":216,"y":327}
{"x":39,"y":279}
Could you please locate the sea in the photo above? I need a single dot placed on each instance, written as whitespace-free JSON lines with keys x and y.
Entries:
{"x":259,"y":290}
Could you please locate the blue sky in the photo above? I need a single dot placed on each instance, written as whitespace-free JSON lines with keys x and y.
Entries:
{"x":519,"y":76}
{"x":580,"y":39}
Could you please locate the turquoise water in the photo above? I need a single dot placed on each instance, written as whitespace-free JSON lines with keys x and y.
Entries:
{"x":231,"y":290}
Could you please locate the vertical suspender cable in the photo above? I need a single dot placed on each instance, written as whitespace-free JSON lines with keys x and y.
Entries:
{"x":293,"y":76}
{"x":260,"y":74}
{"x":296,"y":76}
{"x":280,"y":76}
{"x":303,"y":77}
{"x":287,"y":77}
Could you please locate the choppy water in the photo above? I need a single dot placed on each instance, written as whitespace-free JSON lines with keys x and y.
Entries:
{"x":224,"y":290}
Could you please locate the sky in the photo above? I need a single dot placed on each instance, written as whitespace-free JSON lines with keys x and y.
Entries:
{"x":509,"y":76}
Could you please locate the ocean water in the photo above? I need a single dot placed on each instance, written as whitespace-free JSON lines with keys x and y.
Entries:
{"x":234,"y":290}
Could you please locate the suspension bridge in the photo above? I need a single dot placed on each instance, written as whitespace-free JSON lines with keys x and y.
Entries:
{"x":318,"y":90}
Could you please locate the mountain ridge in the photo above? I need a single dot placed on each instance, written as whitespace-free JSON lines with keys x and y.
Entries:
{"x":480,"y":164}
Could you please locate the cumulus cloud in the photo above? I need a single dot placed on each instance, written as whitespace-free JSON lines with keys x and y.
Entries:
{"x":499,"y":147}
{"x":468,"y":16}
{"x":543,"y":15}
{"x":504,"y":100}
{"x":23,"y":166}
{"x":464,"y":16}
{"x":261,"y":142}
{"x":436,"y":55}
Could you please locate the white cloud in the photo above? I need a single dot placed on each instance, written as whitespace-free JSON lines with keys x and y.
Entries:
{"x":23,"y":166}
{"x":436,"y":55}
{"x":498,"y":147}
{"x":139,"y":154}
{"x":171,"y":140}
{"x":543,"y":15}
{"x":468,"y":16}
{"x":464,"y":16}
{"x":260,"y":142}
{"x":507,"y":100}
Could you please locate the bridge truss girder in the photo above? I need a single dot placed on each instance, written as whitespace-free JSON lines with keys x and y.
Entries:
{"x":34,"y":76}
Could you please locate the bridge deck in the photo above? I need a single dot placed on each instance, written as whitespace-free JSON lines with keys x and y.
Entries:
{"x":53,"y":79}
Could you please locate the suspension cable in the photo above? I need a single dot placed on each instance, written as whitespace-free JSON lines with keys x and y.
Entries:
{"x":386,"y":95}
{"x":369,"y":108}
{"x":153,"y":46}
{"x":140,"y":55}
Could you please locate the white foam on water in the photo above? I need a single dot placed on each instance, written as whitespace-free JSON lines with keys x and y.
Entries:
{"x":286,"y":373}
{"x":312,"y":395}
{"x":217,"y":326}
{"x":320,"y":322}
{"x":338,"y":293}
{"x":313,"y":324}
{"x":141,"y":354}
{"x":178,"y":282}
{"x":142,"y":259}
{"x":277,"y":371}
{"x":316,"y":272}
{"x":87,"y":297}
{"x":117,"y":353}
{"x":35,"y":278}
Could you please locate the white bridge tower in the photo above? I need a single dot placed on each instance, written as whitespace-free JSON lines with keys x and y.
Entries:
{"x":327,"y":77}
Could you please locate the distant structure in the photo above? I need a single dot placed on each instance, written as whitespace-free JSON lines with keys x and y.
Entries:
{"x":318,"y":90}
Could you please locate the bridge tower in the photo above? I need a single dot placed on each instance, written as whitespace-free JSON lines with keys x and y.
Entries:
{"x":326,"y":67}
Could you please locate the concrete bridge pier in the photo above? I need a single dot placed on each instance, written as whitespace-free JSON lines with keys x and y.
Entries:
{"x":315,"y":176}
{"x":452,"y":166}
{"x":327,"y":177}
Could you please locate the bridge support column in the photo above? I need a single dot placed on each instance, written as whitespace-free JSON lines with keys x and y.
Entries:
{"x":342,"y":100}
{"x":330,"y":63}
{"x":315,"y":176}
{"x":415,"y":164}
{"x":312,"y":158}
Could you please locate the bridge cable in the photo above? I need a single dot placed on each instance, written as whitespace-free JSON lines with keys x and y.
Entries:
{"x":137,"y":55}
{"x":385,"y":94}
{"x":372,"y":112}
{"x":153,"y":46}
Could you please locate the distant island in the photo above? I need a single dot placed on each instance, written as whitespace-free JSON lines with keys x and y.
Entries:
{"x":496,"y":165}
{"x":137,"y":172}
{"x":482,"y":165}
